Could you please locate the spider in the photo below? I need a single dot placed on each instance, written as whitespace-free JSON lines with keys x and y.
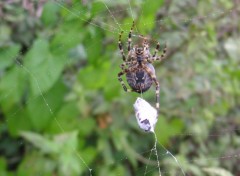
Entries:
{"x":140,"y":73}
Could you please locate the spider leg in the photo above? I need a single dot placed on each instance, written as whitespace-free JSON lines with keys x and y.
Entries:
{"x":130,"y":36}
{"x":145,"y":44}
{"x":156,"y":49}
{"x":127,"y":63}
{"x":156,"y":83}
{"x":160,"y":58}
{"x":121,"y":46}
{"x":120,"y":74}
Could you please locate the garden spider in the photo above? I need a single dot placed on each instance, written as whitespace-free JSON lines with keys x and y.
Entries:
{"x":137,"y":66}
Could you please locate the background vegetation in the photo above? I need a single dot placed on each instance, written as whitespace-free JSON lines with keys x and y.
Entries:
{"x":63,"y":111}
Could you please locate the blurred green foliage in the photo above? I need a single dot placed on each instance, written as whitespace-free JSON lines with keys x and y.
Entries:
{"x":63,"y":111}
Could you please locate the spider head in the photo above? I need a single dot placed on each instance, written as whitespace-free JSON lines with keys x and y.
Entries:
{"x":139,"y":51}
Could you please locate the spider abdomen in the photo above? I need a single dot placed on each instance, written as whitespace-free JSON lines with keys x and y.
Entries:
{"x":140,"y":80}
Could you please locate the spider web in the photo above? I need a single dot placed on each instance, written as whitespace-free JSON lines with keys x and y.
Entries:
{"x":104,"y":19}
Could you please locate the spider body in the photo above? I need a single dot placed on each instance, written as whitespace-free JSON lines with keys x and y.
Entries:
{"x":140,"y":73}
{"x":140,"y":81}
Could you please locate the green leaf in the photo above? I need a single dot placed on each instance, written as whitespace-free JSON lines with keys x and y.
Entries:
{"x":87,"y":126}
{"x":3,"y":167}
{"x":34,"y":163}
{"x":104,"y":147}
{"x":147,"y":18}
{"x":8,"y":55}
{"x":69,"y":164}
{"x":11,"y":88}
{"x":3,"y":164}
{"x":165,"y":130}
{"x":42,"y":109}
{"x":39,"y":113}
{"x":45,"y":145}
{"x":18,"y":121}
{"x":63,"y":151}
{"x":67,"y":117}
{"x":94,"y":78}
{"x":215,"y":171}
{"x":89,"y":154}
{"x":109,"y":94}
{"x":42,"y":67}
{"x":97,"y":7}
{"x":70,"y":159}
{"x":67,"y":37}
{"x":5,"y":33}
{"x":94,"y":38}
{"x":50,"y":13}
{"x":232,"y":46}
